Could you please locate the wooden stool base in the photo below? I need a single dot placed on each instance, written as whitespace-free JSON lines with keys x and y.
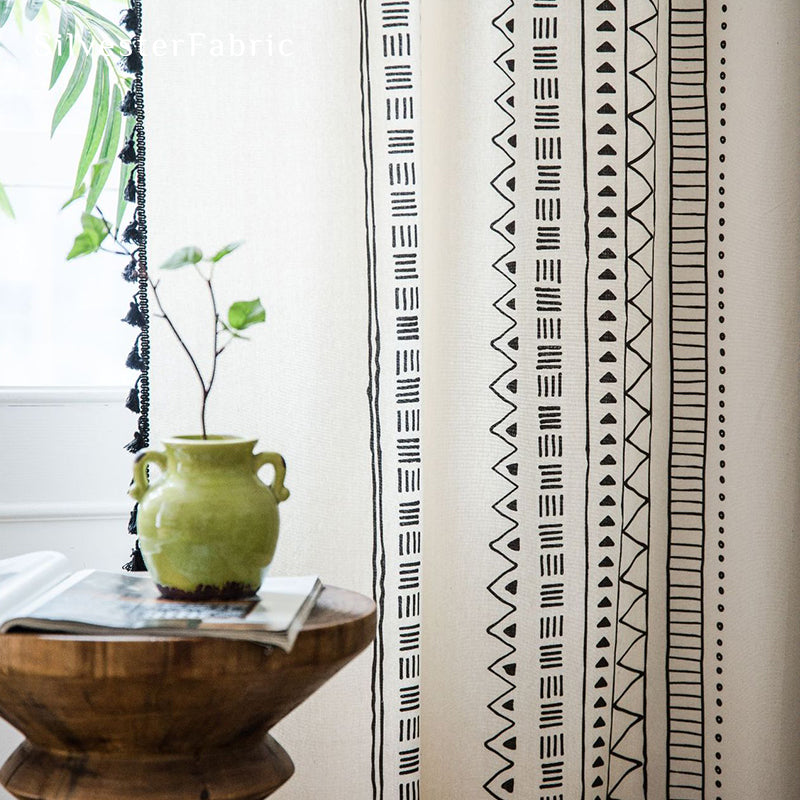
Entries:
{"x":240,"y":773}
{"x":128,"y":718}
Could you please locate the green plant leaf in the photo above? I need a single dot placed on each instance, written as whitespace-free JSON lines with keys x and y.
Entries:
{"x":94,"y":232}
{"x":180,"y":258}
{"x":97,"y":120}
{"x":103,"y":22}
{"x":229,"y":248}
{"x":6,"y":6}
{"x":5,"y":203}
{"x":66,"y":30}
{"x":245,"y":313}
{"x":76,"y":195}
{"x":76,"y":84}
{"x":32,"y":8}
{"x":232,"y":332}
{"x":124,"y":173}
{"x":105,"y":161}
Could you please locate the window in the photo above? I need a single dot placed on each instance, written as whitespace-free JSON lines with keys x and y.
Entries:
{"x":59,"y":320}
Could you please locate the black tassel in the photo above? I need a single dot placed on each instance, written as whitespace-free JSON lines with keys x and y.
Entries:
{"x":132,"y":233}
{"x":129,"y":20}
{"x":134,"y":360}
{"x":128,"y":105}
{"x":130,"y":190}
{"x":136,"y":444}
{"x":131,"y":271}
{"x":132,"y":403}
{"x":132,"y":62}
{"x":136,"y":564}
{"x":128,"y":153}
{"x":132,"y":520}
{"x":134,"y":316}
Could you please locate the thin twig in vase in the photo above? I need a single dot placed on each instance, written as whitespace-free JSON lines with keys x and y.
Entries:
{"x":241,"y":315}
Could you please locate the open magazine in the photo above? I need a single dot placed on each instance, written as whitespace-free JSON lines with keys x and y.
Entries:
{"x":39,"y":592}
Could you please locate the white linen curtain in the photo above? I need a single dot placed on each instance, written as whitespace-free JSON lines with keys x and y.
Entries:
{"x":531,"y":273}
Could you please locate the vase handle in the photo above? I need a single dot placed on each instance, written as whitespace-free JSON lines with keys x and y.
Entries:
{"x":140,"y":481}
{"x":278,"y":489}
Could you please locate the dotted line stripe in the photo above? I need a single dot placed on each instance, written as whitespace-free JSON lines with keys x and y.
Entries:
{"x":719,"y":631}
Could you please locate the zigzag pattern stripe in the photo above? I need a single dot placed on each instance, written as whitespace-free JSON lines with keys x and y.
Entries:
{"x":627,"y":766}
{"x":503,"y":588}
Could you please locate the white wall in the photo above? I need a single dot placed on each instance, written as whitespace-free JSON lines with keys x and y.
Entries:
{"x":63,"y":477}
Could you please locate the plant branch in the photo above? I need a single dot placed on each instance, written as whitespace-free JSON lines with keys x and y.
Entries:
{"x":205,"y":389}
{"x":126,"y":251}
{"x":217,"y":351}
{"x":90,"y":25}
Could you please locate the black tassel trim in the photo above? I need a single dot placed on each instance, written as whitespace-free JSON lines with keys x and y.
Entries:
{"x":132,"y":403}
{"x":136,"y":444}
{"x":132,"y":233}
{"x":128,"y":153}
{"x":136,"y":564}
{"x":131,"y":271}
{"x":130,"y":190}
{"x":132,"y":62}
{"x":139,"y":441}
{"x":129,"y":20}
{"x":134,"y":359}
{"x":128,"y":105}
{"x":134,"y":316}
{"x":136,"y":269}
{"x":132,"y":520}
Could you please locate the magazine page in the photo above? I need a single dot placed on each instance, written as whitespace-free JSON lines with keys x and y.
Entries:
{"x":29,"y":575}
{"x":97,"y":601}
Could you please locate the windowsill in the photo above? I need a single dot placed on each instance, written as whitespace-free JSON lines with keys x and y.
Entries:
{"x":61,"y":395}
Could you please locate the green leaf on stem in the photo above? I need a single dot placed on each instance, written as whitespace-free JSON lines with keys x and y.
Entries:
{"x":183,"y":257}
{"x":99,"y":20}
{"x":232,"y":332}
{"x":76,"y":84}
{"x":244,"y":313}
{"x":124,"y":173}
{"x":5,"y":203}
{"x":102,"y":169}
{"x":97,"y":120}
{"x":229,"y":248}
{"x":6,"y":6}
{"x":76,"y":195}
{"x":94,"y":232}
{"x":66,"y":30}
{"x":32,"y":8}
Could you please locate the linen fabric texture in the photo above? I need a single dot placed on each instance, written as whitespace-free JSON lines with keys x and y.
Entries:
{"x":530,"y":272}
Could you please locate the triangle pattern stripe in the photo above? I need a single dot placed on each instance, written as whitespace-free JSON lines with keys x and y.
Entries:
{"x":501,"y":783}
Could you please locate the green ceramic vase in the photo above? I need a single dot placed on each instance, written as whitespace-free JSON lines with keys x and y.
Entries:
{"x":207,"y":525}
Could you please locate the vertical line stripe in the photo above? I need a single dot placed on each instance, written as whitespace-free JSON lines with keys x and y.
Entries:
{"x":373,"y":334}
{"x":586,"y":400}
{"x":687,"y":448}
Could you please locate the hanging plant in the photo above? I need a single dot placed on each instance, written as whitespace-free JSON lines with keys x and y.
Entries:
{"x":241,"y":315}
{"x":90,"y":50}
{"x":93,"y":47}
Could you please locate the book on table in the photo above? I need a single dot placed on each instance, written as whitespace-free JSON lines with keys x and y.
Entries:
{"x":38,"y":592}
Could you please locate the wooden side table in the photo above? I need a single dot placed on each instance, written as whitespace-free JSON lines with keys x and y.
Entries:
{"x":129,"y":718}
